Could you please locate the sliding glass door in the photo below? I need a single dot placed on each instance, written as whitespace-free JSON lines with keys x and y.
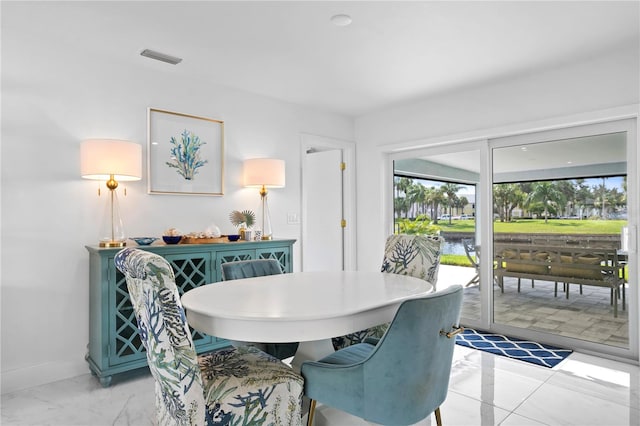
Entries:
{"x":561,"y":204}
{"x":437,"y":193}
{"x":548,"y":221}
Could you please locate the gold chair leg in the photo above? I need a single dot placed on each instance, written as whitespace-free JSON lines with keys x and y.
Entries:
{"x":438,"y":418}
{"x":312,"y":411}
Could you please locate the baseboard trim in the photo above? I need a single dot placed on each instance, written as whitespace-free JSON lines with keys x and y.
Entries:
{"x":36,"y":375}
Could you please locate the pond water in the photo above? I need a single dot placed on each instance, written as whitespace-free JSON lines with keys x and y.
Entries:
{"x":453,"y":247}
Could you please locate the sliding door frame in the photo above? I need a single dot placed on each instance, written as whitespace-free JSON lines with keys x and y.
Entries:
{"x":615,"y":126}
{"x":599,"y":122}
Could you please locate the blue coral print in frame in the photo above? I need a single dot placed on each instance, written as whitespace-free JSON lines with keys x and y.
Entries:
{"x":185,"y":154}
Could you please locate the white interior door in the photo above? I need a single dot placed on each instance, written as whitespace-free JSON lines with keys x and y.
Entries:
{"x":323,"y":245}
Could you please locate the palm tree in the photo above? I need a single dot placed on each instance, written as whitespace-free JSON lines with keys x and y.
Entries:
{"x":600,"y":198}
{"x":568,"y":191}
{"x":399,"y":206}
{"x":415,"y":195}
{"x":583,"y":196}
{"x":450,"y":190}
{"x":462,"y":201}
{"x":430,"y":198}
{"x":402,"y":184}
{"x":506,"y":197}
{"x":437,"y":197}
{"x":546,"y":193}
{"x":615,"y":199}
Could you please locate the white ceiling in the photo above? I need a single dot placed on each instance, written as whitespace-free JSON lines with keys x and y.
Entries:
{"x":538,"y":158}
{"x":393,"y":52}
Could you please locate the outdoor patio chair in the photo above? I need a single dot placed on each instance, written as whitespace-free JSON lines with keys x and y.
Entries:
{"x":473,"y":255}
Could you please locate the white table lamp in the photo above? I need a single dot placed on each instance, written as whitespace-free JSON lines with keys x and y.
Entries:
{"x":264,"y":173}
{"x":111,"y":160}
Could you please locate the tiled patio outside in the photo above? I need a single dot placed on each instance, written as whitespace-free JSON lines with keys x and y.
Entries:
{"x":586,"y":316}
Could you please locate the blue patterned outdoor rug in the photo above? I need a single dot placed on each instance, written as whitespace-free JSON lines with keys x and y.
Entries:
{"x":524,"y":350}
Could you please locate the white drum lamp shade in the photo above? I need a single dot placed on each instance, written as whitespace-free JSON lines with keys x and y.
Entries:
{"x":102,"y":158}
{"x":264,"y":172}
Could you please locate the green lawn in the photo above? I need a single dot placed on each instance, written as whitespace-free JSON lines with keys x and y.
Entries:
{"x":537,"y":226}
{"x":455,"y":260}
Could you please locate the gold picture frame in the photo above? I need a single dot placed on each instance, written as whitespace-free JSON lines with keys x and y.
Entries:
{"x":185,"y":154}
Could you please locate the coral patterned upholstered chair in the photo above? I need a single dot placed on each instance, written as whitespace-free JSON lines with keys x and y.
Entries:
{"x":415,"y":255}
{"x":227,"y":387}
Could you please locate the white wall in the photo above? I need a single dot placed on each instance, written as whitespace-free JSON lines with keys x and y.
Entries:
{"x":515,"y":104}
{"x":52,"y":99}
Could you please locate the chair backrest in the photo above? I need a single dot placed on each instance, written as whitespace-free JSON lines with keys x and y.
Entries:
{"x":250,"y":268}
{"x":259,"y":268}
{"x":415,"y":255}
{"x":470,"y":250}
{"x":406,"y":377}
{"x":166,"y":336}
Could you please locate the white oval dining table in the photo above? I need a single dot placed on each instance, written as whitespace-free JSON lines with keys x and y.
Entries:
{"x":305,"y":307}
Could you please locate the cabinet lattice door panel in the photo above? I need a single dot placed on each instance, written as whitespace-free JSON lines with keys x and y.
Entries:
{"x":282,"y":255}
{"x":127,"y":340}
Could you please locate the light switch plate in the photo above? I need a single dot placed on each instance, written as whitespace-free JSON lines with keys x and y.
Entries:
{"x":293,"y":218}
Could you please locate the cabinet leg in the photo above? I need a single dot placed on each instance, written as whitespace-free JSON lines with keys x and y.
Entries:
{"x":105,"y":381}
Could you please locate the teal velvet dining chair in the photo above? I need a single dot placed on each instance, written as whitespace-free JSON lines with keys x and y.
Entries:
{"x":250,"y":268}
{"x":259,"y":268}
{"x":228,"y":386}
{"x":414,"y":255}
{"x":400,"y":379}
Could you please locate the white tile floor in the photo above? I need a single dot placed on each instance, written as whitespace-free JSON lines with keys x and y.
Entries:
{"x":484,"y":389}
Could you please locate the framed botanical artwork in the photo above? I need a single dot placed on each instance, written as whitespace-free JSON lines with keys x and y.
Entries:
{"x":185,"y":154}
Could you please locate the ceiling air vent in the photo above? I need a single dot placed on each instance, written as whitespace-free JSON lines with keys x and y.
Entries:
{"x":173,"y":60}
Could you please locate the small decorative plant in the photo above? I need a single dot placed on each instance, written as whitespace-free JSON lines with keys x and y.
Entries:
{"x":246,"y":217}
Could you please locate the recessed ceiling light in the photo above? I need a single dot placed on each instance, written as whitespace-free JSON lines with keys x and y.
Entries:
{"x":341,"y":20}
{"x":158,"y":56}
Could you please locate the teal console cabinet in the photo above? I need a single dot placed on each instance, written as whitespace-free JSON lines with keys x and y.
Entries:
{"x":114,"y":345}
